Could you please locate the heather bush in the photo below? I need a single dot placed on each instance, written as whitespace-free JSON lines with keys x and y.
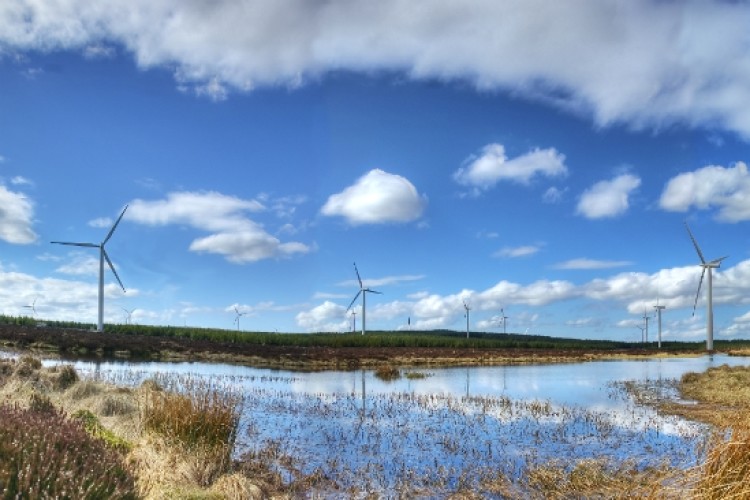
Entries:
{"x":46,"y":455}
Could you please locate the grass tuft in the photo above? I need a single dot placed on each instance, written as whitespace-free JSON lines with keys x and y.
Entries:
{"x":387,"y":373}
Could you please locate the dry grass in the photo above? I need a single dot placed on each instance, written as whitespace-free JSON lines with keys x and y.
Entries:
{"x":387,"y":373}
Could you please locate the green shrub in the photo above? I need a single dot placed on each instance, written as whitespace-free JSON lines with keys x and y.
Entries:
{"x":94,"y":427}
{"x":46,"y":455}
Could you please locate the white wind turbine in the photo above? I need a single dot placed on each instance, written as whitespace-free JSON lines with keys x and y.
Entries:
{"x":362,"y":291}
{"x":707,"y":266}
{"x":659,"y":310}
{"x":102,"y":257}
{"x":237,"y":319}
{"x":467,"y":318}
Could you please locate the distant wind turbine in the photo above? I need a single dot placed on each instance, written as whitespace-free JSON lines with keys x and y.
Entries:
{"x":645,"y":322}
{"x":128,"y":315}
{"x":504,"y":318}
{"x":32,"y":306}
{"x":362,"y":291}
{"x":707,"y":266}
{"x":659,"y":309}
{"x":102,"y":257}
{"x":354,"y":321}
{"x":467,"y":318}
{"x":237,"y":319}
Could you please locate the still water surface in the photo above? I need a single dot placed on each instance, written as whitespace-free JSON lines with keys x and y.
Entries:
{"x":456,"y":423}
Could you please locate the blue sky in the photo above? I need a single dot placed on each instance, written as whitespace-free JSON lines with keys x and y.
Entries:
{"x":538,"y":161}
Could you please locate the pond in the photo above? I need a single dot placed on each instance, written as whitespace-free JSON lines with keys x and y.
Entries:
{"x":451,"y":425}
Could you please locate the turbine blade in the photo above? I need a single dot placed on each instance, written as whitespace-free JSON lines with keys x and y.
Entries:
{"x":358,"y":278}
{"x":699,"y":290}
{"x":90,"y":245}
{"x":354,"y":300}
{"x":373,"y":291}
{"x":717,"y":262}
{"x":113,"y":269}
{"x":109,"y":235}
{"x":695,"y":244}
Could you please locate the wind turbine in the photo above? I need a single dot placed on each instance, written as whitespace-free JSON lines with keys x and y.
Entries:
{"x":354,"y":321}
{"x":32,"y":307}
{"x":237,"y":319}
{"x":467,"y":318}
{"x":128,"y":315}
{"x":659,"y":309}
{"x":707,"y":266}
{"x":362,"y":291}
{"x":645,"y":320}
{"x":102,"y":257}
{"x":504,"y":317}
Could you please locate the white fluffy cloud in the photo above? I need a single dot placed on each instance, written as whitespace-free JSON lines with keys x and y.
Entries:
{"x":235,"y":236}
{"x":675,"y":61}
{"x":377,"y":197}
{"x":492,"y":166}
{"x":327,"y":317}
{"x":608,"y":198}
{"x":727,"y":189}
{"x":16,"y":217}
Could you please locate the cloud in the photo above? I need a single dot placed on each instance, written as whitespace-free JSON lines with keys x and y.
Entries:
{"x":608,"y":198}
{"x":727,"y":189}
{"x":80,"y":265}
{"x":492,"y":166}
{"x":388,"y":280}
{"x":239,"y":239}
{"x":377,"y":197}
{"x":327,"y":317}
{"x":21,"y":181}
{"x":514,"y":252}
{"x":591,"y":264}
{"x":553,"y":195}
{"x":101,"y":222}
{"x":16,"y":217}
{"x":677,"y":62}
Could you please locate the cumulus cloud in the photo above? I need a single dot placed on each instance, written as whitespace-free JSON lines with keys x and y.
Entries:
{"x":377,"y":197}
{"x":727,"y":189}
{"x":16,"y":217}
{"x":327,"y":317}
{"x":492,"y":166}
{"x":676,"y":61}
{"x":608,"y":198}
{"x":234,"y":235}
{"x":387,"y":280}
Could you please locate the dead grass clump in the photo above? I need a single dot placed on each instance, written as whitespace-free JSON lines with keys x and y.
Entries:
{"x":237,"y":487}
{"x":725,"y":473}
{"x":723,"y":385}
{"x":591,"y":478}
{"x":63,"y":377}
{"x":116,"y":404}
{"x":387,"y":373}
{"x":84,"y":389}
{"x":200,"y":423}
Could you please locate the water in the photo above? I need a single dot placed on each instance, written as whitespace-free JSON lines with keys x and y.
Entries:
{"x":454,"y":425}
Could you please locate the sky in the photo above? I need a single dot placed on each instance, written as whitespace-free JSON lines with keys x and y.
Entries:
{"x":526,"y":159}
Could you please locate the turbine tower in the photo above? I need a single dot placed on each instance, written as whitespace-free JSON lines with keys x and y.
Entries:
{"x":467,"y":318}
{"x":659,"y":309}
{"x":707,"y":266}
{"x":645,"y":321}
{"x":354,"y":321}
{"x":362,"y":291}
{"x":102,"y":257}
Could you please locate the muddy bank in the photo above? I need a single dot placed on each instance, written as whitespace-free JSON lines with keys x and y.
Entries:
{"x":70,"y":343}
